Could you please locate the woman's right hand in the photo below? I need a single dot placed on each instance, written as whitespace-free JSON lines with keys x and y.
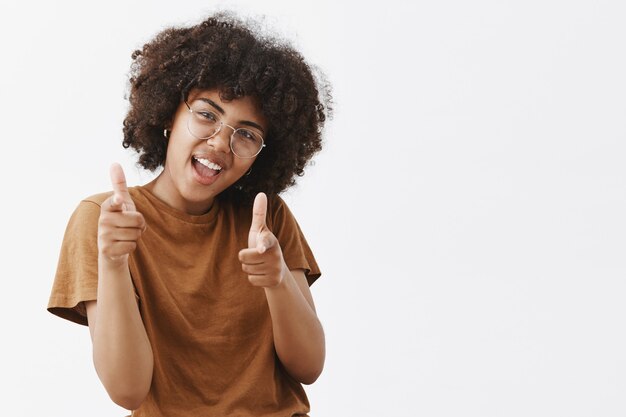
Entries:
{"x":122,"y":353}
{"x":120,"y":225}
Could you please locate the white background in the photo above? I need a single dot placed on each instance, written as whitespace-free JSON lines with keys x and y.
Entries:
{"x":467,"y":210}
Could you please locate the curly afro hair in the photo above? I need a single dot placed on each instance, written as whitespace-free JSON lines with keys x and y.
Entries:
{"x":225,"y":54}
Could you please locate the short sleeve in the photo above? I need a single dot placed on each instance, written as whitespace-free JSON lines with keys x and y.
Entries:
{"x":296,"y":250}
{"x":76,"y":278}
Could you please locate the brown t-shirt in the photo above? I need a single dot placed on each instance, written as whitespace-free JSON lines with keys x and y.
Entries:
{"x":210,"y":329}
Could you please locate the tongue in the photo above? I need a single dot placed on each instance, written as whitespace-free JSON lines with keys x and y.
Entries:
{"x":203,"y":170}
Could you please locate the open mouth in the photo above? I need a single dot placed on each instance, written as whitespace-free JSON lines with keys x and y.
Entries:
{"x":206,"y":170}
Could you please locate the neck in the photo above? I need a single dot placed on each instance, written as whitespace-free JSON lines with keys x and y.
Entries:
{"x":164,"y":189}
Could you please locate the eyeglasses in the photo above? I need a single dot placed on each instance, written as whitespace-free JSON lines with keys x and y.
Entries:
{"x":203,"y":123}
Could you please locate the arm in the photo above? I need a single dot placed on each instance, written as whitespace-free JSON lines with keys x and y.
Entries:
{"x":121,"y":350}
{"x":298,"y":334}
{"x":122,"y":353}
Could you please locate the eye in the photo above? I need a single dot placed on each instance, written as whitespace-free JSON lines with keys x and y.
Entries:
{"x":206,"y":116}
{"x":248,"y":135}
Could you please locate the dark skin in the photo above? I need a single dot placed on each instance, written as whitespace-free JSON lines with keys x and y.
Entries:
{"x":229,"y":56}
{"x":122,"y":352}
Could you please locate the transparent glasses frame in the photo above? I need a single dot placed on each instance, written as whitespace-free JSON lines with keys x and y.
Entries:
{"x":219,"y":129}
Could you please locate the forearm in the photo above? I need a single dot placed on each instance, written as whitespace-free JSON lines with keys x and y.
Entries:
{"x":121,"y":350}
{"x":298,"y":333}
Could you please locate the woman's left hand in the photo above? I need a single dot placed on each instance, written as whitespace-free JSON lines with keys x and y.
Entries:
{"x":263,"y":259}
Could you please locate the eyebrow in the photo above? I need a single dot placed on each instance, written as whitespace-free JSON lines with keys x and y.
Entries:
{"x":222,"y":112}
{"x":212,"y":103}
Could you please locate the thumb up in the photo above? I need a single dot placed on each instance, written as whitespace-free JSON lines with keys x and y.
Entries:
{"x":263,"y":259}
{"x":121,"y":197}
{"x":258,"y":236}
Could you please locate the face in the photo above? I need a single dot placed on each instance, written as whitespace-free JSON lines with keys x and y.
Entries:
{"x":197,"y":170}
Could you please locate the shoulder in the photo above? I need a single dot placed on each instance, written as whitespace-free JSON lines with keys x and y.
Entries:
{"x":277,"y":210}
{"x":279,"y":215}
{"x":97,"y":199}
{"x":85,"y":216}
{"x":88,"y":209}
{"x":276,"y":204}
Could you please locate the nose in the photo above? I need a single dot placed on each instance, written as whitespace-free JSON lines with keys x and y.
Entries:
{"x":221,"y":140}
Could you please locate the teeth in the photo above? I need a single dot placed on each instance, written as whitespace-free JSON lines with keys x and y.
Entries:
{"x":208,"y":164}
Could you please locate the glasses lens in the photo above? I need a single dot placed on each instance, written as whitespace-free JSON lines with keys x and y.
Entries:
{"x":203,"y":123}
{"x":246,"y":143}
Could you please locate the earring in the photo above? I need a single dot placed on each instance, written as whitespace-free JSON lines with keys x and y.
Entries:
{"x":165,"y":133}
{"x":249,"y":171}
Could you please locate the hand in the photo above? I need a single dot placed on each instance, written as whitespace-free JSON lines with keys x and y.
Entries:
{"x":120,"y":224}
{"x":263,"y":259}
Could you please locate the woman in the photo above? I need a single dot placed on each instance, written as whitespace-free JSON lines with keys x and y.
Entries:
{"x":195,"y":286}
